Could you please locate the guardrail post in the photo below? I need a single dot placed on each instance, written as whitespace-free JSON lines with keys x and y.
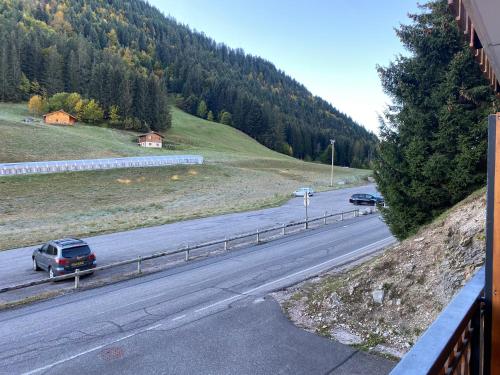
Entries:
{"x":225,"y":244}
{"x":324,"y":219}
{"x":258,"y":236}
{"x":283,"y":229}
{"x":187,"y":254}
{"x":77,"y":278}
{"x":139,"y":265}
{"x":356,"y":213}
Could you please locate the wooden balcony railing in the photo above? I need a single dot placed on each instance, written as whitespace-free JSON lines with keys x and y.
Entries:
{"x":454,"y":343}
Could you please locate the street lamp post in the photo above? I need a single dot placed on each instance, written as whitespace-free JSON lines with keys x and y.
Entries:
{"x":332,"y":141}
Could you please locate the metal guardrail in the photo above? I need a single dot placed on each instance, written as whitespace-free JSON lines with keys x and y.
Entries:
{"x":257,"y":234}
{"x":57,"y":166}
{"x":453,"y":344}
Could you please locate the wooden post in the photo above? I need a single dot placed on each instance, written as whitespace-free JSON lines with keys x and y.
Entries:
{"x":492,"y":287}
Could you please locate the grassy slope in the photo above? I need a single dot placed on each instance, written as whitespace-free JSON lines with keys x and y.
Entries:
{"x":30,"y":142}
{"x":37,"y":207}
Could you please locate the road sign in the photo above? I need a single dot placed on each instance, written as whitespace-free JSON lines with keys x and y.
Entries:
{"x":307,"y":200}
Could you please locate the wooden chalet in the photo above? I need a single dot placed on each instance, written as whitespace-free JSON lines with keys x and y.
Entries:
{"x":59,"y":117}
{"x":151,"y":139}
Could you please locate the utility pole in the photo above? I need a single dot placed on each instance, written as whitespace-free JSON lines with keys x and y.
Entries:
{"x":332,"y":142}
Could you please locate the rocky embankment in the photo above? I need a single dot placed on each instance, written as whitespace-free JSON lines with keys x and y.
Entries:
{"x":385,"y":304}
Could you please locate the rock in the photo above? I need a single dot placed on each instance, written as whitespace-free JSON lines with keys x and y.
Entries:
{"x":351,"y":290}
{"x":378,"y":296}
{"x":420,"y":239}
{"x":345,"y":337}
{"x":465,"y":241}
{"x":409,"y":268}
{"x":384,"y":349}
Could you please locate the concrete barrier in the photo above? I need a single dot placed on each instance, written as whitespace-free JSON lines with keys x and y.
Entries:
{"x":57,"y":166}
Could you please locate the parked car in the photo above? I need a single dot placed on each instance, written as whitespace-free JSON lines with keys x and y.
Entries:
{"x":63,"y":256}
{"x":303,"y":191}
{"x":368,"y":199}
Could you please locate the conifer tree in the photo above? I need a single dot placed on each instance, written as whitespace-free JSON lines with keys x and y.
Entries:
{"x":433,"y":138}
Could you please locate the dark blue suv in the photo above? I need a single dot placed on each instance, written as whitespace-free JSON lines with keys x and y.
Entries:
{"x":368,"y":199}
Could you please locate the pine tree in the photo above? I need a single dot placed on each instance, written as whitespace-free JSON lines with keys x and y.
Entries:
{"x":433,"y":148}
{"x":53,"y":72}
{"x":202,"y":109}
{"x":210,"y":116}
{"x":226,"y":118}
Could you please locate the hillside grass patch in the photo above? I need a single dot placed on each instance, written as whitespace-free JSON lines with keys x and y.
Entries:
{"x":238,"y":174}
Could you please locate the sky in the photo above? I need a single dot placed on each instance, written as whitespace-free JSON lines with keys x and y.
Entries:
{"x":330,"y":46}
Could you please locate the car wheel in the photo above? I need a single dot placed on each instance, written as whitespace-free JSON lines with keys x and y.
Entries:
{"x":51,"y":273}
{"x":35,"y":265}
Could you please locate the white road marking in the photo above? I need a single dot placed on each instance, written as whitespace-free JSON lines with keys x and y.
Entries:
{"x":178,"y":317}
{"x":218,"y":303}
{"x":80,"y":354}
{"x":154,"y":327}
{"x":206,"y":307}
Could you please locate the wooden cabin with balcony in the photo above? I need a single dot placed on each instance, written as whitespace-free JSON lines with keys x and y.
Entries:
{"x":151,"y":139}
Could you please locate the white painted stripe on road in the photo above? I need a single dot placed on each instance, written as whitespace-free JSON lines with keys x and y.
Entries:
{"x":218,"y":303}
{"x":179,"y":317}
{"x":154,"y":327}
{"x":80,"y":354}
{"x":323,"y":264}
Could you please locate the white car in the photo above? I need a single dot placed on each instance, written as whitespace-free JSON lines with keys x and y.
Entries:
{"x":303,"y":191}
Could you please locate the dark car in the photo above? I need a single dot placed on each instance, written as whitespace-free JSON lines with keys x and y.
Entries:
{"x":63,"y":256}
{"x":368,"y":199}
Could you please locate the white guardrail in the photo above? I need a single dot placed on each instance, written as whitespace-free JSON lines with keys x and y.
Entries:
{"x":57,"y":166}
{"x":186,"y":250}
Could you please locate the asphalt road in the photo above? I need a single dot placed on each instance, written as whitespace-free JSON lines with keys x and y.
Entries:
{"x":210,"y":316}
{"x":15,"y":264}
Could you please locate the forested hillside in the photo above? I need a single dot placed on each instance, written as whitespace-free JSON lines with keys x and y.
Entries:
{"x":434,"y":138}
{"x":125,"y":55}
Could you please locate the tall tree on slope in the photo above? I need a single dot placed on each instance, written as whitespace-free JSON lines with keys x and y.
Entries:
{"x":434,"y":137}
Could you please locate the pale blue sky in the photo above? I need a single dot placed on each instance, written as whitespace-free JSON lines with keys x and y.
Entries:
{"x":331,"y":46}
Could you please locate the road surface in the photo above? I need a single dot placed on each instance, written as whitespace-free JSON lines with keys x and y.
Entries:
{"x":211,"y":316}
{"x":15,"y":264}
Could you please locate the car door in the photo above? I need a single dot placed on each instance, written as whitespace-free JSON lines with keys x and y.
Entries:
{"x":50,"y":256}
{"x":41,"y":256}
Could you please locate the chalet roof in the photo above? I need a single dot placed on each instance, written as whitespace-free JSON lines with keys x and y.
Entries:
{"x":143,"y":135}
{"x":60,"y":111}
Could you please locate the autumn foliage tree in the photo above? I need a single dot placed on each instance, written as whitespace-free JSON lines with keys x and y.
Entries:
{"x":36,"y":105}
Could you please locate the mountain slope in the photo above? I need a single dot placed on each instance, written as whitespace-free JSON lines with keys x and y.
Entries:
{"x":188,"y":134}
{"x":125,"y":53}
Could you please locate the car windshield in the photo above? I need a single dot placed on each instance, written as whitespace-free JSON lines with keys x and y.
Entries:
{"x":78,"y":251}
